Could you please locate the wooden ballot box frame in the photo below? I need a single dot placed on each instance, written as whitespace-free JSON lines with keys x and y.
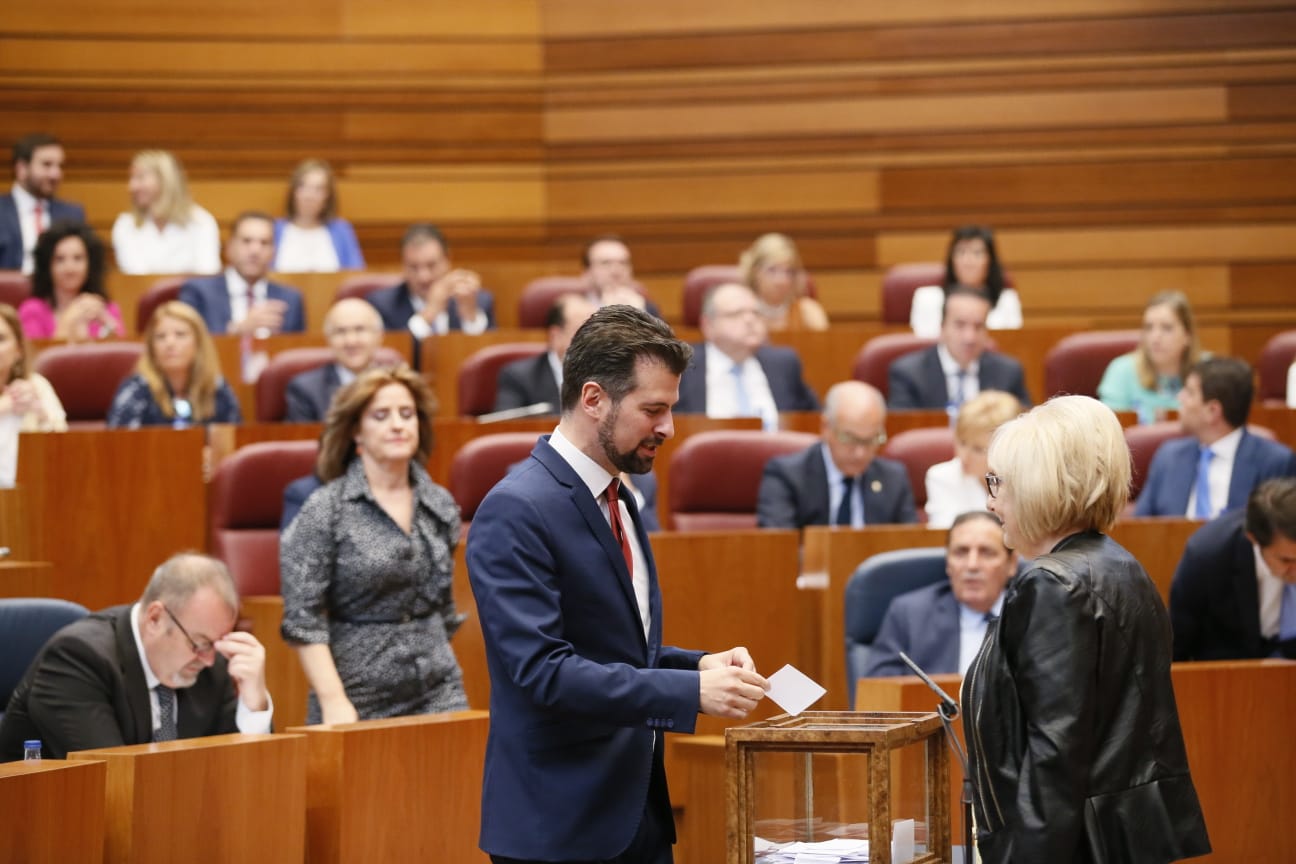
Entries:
{"x":40,"y":802}
{"x":875,"y":735}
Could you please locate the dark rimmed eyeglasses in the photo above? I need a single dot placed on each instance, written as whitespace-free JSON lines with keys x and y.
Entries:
{"x":203,"y":648}
{"x":993,"y":481}
{"x":850,"y":439}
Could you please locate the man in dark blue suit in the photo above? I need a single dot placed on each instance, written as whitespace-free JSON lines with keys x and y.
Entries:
{"x":1217,"y":465}
{"x":957,"y":367}
{"x":582,"y":688}
{"x":1233,"y":596}
{"x":734,"y":373}
{"x":30,"y":207}
{"x":435,"y":296}
{"x":537,"y":379}
{"x":841,"y":480}
{"x":354,"y":333}
{"x":241,"y":300}
{"x":941,"y":626}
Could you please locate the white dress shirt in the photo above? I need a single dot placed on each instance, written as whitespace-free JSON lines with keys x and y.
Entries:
{"x":419,"y":326}
{"x":722,"y":395}
{"x":248,"y":721}
{"x":928,"y":308}
{"x":1219,"y":475}
{"x":25,"y":203}
{"x":972,"y":630}
{"x":238,"y":295}
{"x":951,"y":492}
{"x":1269,"y":591}
{"x":835,"y":477}
{"x":970,"y":383}
{"x":596,"y":479}
{"x":306,"y":250}
{"x":193,"y":247}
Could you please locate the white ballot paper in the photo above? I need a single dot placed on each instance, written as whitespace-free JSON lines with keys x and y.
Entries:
{"x":792,"y":691}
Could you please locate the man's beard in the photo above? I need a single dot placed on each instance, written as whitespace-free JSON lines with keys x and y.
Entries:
{"x":630,"y":462}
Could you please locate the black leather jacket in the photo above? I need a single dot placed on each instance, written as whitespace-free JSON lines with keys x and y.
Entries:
{"x":1074,"y":744}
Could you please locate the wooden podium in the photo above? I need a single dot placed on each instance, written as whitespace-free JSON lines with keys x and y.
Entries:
{"x":217,"y":799}
{"x":826,"y":775}
{"x":51,"y":812}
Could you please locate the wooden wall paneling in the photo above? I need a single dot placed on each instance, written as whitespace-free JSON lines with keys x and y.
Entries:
{"x":115,"y":505}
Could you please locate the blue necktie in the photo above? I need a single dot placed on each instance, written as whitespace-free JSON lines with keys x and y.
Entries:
{"x":166,"y":730}
{"x":1202,"y":510}
{"x":844,"y":509}
{"x":1287,"y":618}
{"x":740,"y":392}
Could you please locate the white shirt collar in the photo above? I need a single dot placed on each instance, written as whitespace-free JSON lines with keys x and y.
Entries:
{"x":951,"y":367}
{"x":968,"y":615}
{"x":149,"y":678}
{"x":555,"y":366}
{"x":345,"y":375}
{"x":593,"y":475}
{"x":238,"y":286}
{"x":1225,"y":449}
{"x":25,"y":201}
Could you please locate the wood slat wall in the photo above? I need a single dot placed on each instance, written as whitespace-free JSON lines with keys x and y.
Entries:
{"x":1118,"y":147}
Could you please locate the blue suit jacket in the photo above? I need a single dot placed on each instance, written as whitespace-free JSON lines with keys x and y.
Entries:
{"x":794,"y":492}
{"x":579,"y":698}
{"x":925,"y":625}
{"x":1173,"y":473}
{"x":916,"y":380}
{"x":11,"y":245}
{"x":308,"y":395}
{"x":782,"y":369}
{"x":210,"y":296}
{"x":395,"y":307}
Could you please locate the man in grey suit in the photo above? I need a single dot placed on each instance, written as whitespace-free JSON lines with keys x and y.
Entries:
{"x":354,"y":332}
{"x":539,"y":379}
{"x":841,"y":480}
{"x":941,"y":626}
{"x":30,"y":208}
{"x":957,"y":367}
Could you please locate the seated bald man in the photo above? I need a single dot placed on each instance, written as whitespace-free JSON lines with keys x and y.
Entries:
{"x":354,"y":331}
{"x":169,"y":666}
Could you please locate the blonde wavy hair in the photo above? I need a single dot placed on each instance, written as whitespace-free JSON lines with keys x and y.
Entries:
{"x":204,"y":374}
{"x":1178,"y":303}
{"x":173,"y":204}
{"x":772,"y":249}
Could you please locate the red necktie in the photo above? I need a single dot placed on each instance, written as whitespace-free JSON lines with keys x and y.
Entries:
{"x":37,"y":219}
{"x":618,"y":527}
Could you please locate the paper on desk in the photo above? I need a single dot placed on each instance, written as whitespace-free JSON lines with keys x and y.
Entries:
{"x":792,"y":691}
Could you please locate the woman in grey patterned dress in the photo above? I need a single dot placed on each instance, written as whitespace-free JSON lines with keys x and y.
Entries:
{"x":366,"y":566}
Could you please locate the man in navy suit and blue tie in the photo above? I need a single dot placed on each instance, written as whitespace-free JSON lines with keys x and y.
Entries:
{"x":1215,"y":467}
{"x":242,"y":300}
{"x":840,"y":480}
{"x":436,"y":297}
{"x":582,"y":688}
{"x":30,"y":207}
{"x":941,"y":626}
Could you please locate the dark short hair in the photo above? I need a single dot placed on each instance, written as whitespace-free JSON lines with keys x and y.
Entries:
{"x":610,"y":343}
{"x":602,"y":238}
{"x":421,"y":232}
{"x":247,"y":216}
{"x":1271,"y":510}
{"x":43,"y":259}
{"x":25,"y":147}
{"x":962,"y":291}
{"x":994,"y":273}
{"x":971,"y":516}
{"x":557,"y":314}
{"x":1226,"y":380}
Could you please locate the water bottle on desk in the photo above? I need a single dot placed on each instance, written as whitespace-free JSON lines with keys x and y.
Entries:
{"x":32,"y":750}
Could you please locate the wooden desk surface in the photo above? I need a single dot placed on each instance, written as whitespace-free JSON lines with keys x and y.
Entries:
{"x":52,"y":811}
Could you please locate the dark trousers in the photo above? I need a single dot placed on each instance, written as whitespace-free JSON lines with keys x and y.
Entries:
{"x":653,"y":841}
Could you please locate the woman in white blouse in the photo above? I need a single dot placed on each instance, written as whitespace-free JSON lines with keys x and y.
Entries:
{"x":958,"y":485}
{"x":27,"y":401}
{"x":971,"y":262}
{"x":313,"y":239}
{"x":165,"y":231}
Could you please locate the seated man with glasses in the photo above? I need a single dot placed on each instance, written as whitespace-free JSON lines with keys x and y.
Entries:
{"x":840,"y":481}
{"x":170,"y":666}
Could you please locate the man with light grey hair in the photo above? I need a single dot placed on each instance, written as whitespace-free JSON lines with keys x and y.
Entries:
{"x":841,"y":480}
{"x":354,"y":331}
{"x":169,"y":666}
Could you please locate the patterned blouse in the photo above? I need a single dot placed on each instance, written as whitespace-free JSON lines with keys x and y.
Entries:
{"x":380,"y":599}
{"x":134,"y":406}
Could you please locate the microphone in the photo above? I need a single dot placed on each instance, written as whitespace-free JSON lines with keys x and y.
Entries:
{"x":949,"y":708}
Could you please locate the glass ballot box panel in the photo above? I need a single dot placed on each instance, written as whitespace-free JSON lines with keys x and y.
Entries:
{"x":854,"y":786}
